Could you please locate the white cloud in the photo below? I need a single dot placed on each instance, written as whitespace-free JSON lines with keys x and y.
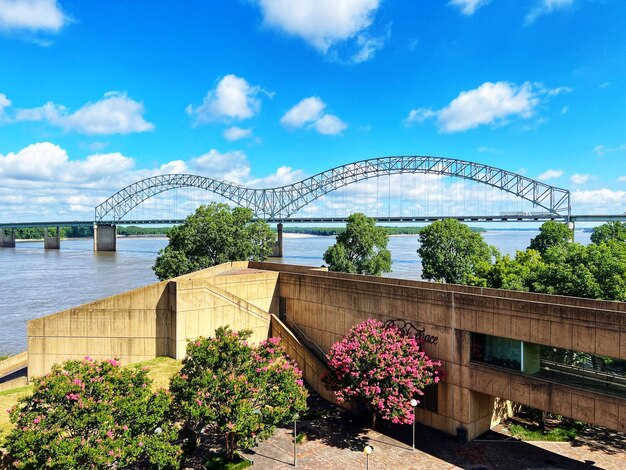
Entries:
{"x":621,"y":179}
{"x":310,"y":111}
{"x":330,"y":124}
{"x":236,"y":133}
{"x":550,"y":174}
{"x":604,"y":85}
{"x":545,"y":7}
{"x":115,"y":113}
{"x":602,"y":150}
{"x":42,"y":182}
{"x":326,"y":23}
{"x":599,"y":201}
{"x":232,"y":99}
{"x":579,"y":178}
{"x":468,"y":7}
{"x":490,"y":103}
{"x":32,"y":15}
{"x":4,"y":103}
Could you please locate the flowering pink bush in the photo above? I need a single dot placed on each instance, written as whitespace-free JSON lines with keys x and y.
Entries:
{"x":382,"y":368}
{"x":92,"y":414}
{"x":231,"y":388}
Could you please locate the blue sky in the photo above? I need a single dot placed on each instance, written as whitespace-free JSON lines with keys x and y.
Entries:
{"x":95,"y":95}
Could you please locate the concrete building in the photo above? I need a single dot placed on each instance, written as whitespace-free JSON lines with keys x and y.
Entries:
{"x":496,"y":347}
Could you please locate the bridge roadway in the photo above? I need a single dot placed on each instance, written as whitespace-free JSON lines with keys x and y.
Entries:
{"x":316,"y":220}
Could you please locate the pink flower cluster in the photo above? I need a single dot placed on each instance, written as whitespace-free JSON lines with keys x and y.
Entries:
{"x":382,"y":367}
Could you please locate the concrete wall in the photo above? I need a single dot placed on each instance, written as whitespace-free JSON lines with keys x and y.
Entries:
{"x":326,"y":305}
{"x":133,"y":326}
{"x":156,"y":320}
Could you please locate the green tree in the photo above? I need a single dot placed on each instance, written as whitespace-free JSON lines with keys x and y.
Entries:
{"x":519,"y":273}
{"x":360,"y":249}
{"x":593,"y":271}
{"x":214,"y":235}
{"x":551,"y":233}
{"x":609,"y":231}
{"x":91,"y":414}
{"x":233,"y":389}
{"x":451,"y":252}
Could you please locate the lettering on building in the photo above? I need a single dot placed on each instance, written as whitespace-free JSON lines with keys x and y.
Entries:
{"x":408,"y":329}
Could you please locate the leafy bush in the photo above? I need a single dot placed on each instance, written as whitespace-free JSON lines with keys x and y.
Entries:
{"x":92,"y":414}
{"x":381,"y":367}
{"x":220,"y":462}
{"x":241,"y":392}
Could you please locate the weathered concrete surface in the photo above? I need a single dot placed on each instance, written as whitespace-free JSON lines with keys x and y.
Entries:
{"x":104,"y":237}
{"x":7,"y":238}
{"x":159,"y":319}
{"x":51,"y":243}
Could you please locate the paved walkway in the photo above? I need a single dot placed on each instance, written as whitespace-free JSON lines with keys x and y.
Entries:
{"x":337,"y":443}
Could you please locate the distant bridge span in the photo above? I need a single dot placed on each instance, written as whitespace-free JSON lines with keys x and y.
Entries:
{"x":276,"y":204}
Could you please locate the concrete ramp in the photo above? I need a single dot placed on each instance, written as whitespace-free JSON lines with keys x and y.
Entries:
{"x":14,"y":371}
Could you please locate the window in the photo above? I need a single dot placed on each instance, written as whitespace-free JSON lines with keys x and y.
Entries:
{"x":592,"y":372}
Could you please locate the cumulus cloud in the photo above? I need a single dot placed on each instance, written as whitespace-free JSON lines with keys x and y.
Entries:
{"x":468,"y":7}
{"x":545,"y":7}
{"x":326,"y":23}
{"x":489,"y":104}
{"x":115,"y":113}
{"x":579,"y":178}
{"x":330,"y":124}
{"x":236,"y":133}
{"x":32,"y":15}
{"x":307,"y":110}
{"x":42,"y":182}
{"x":310,"y":112}
{"x":550,"y":174}
{"x":233,"y":98}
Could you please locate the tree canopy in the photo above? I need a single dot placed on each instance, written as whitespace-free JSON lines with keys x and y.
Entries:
{"x":609,"y":231}
{"x":231,"y":388}
{"x":360,"y":249}
{"x":381,"y":367}
{"x":551,"y":233}
{"x":92,"y":414}
{"x":214,"y":234}
{"x":451,"y":252}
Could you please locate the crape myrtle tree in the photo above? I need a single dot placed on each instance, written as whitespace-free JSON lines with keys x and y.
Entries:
{"x":92,"y":414}
{"x":451,"y":252}
{"x":242,"y":392}
{"x":360,"y":249}
{"x":214,"y":234}
{"x":381,"y":367}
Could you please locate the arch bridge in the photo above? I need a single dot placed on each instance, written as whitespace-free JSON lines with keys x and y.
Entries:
{"x":281,"y":203}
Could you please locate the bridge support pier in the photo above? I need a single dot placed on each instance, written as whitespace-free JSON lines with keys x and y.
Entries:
{"x":278,"y":246}
{"x":7,"y":240}
{"x":104,"y":237}
{"x":52,"y":243}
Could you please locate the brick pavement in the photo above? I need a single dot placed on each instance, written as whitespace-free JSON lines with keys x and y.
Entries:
{"x":336,"y":443}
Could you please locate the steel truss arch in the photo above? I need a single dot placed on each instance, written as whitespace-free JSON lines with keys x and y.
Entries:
{"x":282,"y":202}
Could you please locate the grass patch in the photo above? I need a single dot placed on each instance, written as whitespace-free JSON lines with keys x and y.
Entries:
{"x":161,"y":370}
{"x":218,"y":462}
{"x":8,"y":399}
{"x":560,"y":433}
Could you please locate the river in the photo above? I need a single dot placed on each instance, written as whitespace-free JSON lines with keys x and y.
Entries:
{"x":36,"y":282}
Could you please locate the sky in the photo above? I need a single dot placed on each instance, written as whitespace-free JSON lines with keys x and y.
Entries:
{"x":96,"y":95}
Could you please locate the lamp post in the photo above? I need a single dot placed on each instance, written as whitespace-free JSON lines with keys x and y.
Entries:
{"x":367,"y":451}
{"x":413,"y":404}
{"x":295,"y":439}
{"x":158,"y":431}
